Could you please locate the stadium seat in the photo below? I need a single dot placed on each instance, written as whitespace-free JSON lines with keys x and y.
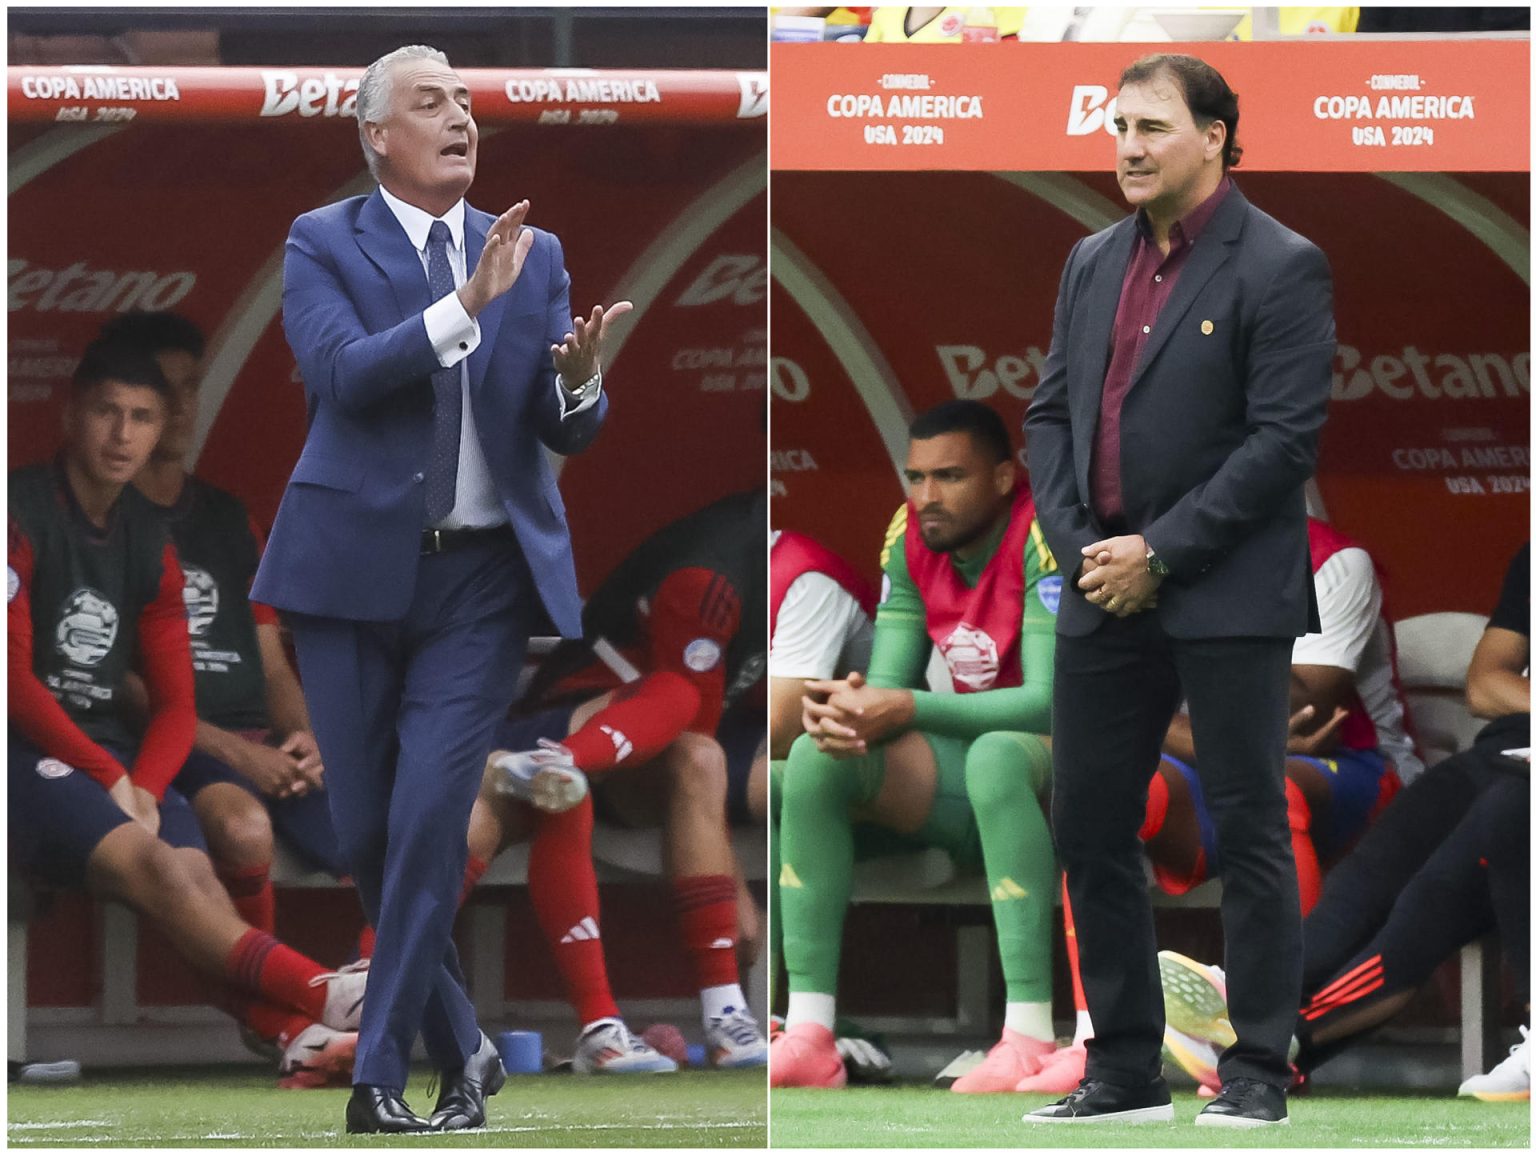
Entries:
{"x":1433,"y":652}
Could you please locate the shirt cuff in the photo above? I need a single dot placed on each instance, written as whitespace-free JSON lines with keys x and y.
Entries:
{"x":454,"y":335}
{"x":579,"y":400}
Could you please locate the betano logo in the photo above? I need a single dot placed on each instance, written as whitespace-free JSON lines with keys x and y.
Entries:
{"x":1090,"y":109}
{"x":1407,"y":374}
{"x":79,"y":288}
{"x":743,"y":278}
{"x":315,"y":96}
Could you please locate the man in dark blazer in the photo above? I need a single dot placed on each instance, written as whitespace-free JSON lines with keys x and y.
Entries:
{"x":422,"y":539}
{"x":1170,"y":440}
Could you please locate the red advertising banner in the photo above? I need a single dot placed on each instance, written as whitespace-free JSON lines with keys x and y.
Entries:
{"x":895,"y":291}
{"x":192,"y":218}
{"x":1324,"y":107}
{"x":104,"y":95}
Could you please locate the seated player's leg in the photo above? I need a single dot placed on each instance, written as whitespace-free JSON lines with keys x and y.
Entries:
{"x":1361,"y":889}
{"x":562,"y":885}
{"x":744,"y":740}
{"x":1178,"y":833}
{"x":818,"y":800}
{"x":1449,"y":902}
{"x":66,"y":829}
{"x":238,"y":830}
{"x":1006,"y":776}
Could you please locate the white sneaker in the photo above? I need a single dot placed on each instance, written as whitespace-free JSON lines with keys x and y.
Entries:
{"x":344,"y":990}
{"x":318,"y":1056}
{"x":545,"y":778}
{"x":735,"y":1040}
{"x":1510,"y":1081}
{"x":612,"y":1049}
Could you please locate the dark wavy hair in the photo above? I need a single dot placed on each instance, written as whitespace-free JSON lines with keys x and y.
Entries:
{"x":1205,"y":90}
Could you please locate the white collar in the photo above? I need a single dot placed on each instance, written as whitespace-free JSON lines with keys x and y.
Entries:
{"x":417,"y":222}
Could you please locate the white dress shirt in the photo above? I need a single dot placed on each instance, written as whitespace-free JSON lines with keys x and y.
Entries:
{"x":454,"y":335}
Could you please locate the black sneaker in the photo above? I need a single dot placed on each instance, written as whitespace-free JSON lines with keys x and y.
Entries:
{"x":1097,"y":1101}
{"x":1245,"y":1103}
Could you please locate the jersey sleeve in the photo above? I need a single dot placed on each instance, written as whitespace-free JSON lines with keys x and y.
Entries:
{"x":1348,"y":607}
{"x":694,"y":616}
{"x":899,"y":654}
{"x":1514,"y":608}
{"x":1026,"y":706}
{"x":34,"y":712}
{"x":165,"y":662}
{"x":815,"y":623}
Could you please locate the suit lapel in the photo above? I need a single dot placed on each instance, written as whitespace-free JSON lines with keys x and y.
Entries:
{"x":381,"y":236}
{"x":476,"y":226}
{"x":1211,"y":251}
{"x":1098,"y":311}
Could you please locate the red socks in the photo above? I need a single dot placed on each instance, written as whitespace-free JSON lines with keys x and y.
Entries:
{"x":261,"y":965}
{"x":1309,"y":874}
{"x":1157,"y":813}
{"x":250,"y":889}
{"x":562,"y":884}
{"x":642,"y":720}
{"x":1069,"y":927}
{"x":706,"y":912}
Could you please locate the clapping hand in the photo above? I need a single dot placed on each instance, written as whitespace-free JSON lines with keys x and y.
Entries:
{"x":501,"y":261}
{"x":578,"y":358}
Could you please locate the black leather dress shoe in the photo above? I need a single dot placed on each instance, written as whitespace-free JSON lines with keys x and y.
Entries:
{"x":381,"y":1109}
{"x":1245,"y":1103}
{"x":1098,"y":1101}
{"x":462,"y":1102}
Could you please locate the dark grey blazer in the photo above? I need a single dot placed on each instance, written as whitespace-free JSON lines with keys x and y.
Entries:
{"x":1218,"y":432}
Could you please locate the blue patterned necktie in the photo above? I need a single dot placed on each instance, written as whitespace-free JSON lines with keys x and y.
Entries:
{"x":447,"y":391}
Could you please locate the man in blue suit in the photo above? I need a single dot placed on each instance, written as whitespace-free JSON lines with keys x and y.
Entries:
{"x":422,"y":538}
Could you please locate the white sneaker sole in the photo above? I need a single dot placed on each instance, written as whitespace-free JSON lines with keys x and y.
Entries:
{"x":1218,"y":1121}
{"x":556,"y":790}
{"x":1158,"y":1115}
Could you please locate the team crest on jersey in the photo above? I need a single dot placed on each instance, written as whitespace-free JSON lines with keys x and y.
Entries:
{"x":971,"y":656}
{"x":52,"y":767}
{"x":200,"y":593}
{"x":88,"y":628}
{"x":12,"y":585}
{"x":1049,"y":589}
{"x":701,"y":654}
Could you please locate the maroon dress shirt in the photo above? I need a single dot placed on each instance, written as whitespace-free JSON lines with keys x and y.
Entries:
{"x":1149,"y":282}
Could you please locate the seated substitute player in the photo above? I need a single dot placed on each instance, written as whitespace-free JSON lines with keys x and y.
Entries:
{"x":820,"y":627}
{"x":672,"y":657}
{"x":965,"y":773}
{"x":1445,"y":863}
{"x":254,"y":751}
{"x":1349,"y":753}
{"x":94,"y":588}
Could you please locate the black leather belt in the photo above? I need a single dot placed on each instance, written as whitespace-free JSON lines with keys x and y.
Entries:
{"x":435,"y":540}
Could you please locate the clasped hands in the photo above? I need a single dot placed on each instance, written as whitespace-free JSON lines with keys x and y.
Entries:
{"x":578,"y":356}
{"x":845,"y":717}
{"x":1115,"y":576}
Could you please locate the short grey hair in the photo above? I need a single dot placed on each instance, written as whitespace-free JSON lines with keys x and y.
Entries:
{"x":376,"y":88}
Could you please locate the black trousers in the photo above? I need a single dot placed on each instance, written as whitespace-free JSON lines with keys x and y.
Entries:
{"x":1116,"y":691}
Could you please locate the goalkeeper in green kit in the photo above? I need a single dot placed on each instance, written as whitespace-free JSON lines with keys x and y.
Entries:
{"x":885,"y":765}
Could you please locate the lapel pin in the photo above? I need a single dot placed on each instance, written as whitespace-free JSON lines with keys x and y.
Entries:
{"x":1207,"y":326}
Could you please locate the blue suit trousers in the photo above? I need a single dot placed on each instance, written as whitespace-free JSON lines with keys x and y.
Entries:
{"x":404,"y":714}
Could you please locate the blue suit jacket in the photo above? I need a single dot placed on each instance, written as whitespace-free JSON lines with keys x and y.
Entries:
{"x":1218,"y":432}
{"x":346,"y":542}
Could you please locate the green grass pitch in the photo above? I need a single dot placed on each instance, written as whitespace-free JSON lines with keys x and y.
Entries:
{"x":241,"y":1107}
{"x":922,"y":1117}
